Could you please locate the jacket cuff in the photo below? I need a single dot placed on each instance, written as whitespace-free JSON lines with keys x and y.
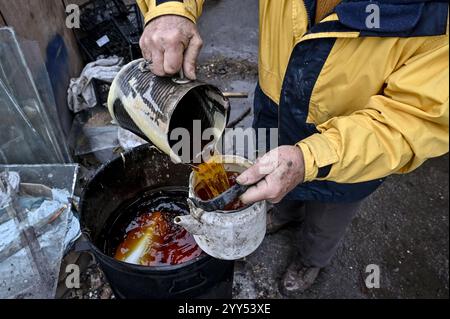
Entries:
{"x":311,"y":169}
{"x":319,"y":156}
{"x":170,"y":8}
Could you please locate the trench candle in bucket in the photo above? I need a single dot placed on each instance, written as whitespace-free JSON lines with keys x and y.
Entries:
{"x":226,"y":235}
{"x":154,"y":107}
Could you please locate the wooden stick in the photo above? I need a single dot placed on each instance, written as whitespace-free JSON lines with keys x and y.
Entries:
{"x":236,"y":95}
{"x":240,"y":118}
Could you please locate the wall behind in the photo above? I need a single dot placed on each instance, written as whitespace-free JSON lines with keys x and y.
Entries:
{"x":42,"y":21}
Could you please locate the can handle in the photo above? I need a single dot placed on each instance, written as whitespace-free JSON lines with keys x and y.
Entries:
{"x":181,"y":79}
{"x":144,"y":66}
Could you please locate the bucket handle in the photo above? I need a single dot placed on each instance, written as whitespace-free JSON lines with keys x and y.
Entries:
{"x":82,"y":246}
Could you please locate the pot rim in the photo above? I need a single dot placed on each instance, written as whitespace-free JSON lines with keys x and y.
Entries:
{"x":162,"y":268}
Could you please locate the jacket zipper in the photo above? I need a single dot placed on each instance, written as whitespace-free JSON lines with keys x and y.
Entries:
{"x":308,"y":13}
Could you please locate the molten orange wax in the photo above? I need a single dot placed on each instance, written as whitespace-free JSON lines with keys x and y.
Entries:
{"x":152,"y":240}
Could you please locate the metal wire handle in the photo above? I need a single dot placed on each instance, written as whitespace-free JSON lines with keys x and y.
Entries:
{"x":181,"y":79}
{"x":144,"y":66}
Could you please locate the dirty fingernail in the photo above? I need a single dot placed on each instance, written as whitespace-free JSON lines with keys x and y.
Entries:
{"x":242,"y":179}
{"x":192,"y":76}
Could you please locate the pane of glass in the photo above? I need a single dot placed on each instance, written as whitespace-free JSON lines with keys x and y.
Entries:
{"x":23,"y":93}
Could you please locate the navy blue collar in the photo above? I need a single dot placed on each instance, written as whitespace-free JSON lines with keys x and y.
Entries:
{"x":402,"y":18}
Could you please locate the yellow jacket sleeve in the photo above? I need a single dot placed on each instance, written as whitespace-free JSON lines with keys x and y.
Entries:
{"x":396,"y":131}
{"x":191,"y":9}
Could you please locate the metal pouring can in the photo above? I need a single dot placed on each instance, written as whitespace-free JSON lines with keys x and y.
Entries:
{"x":226,"y":235}
{"x":153,"y":107}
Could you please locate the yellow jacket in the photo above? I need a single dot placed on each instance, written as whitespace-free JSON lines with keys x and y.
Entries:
{"x":379,"y":103}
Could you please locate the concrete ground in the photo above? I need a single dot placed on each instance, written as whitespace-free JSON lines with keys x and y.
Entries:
{"x":403,"y":227}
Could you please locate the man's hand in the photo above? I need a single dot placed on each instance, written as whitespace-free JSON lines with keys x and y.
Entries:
{"x":171,"y":43}
{"x":278,"y":173}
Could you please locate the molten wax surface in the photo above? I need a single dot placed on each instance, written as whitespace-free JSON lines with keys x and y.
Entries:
{"x":144,"y":233}
{"x":153,"y":240}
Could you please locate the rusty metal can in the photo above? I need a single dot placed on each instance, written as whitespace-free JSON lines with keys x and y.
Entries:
{"x":154,"y":107}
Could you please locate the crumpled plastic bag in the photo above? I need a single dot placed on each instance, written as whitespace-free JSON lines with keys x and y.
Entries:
{"x":40,"y":209}
{"x":81,"y":93}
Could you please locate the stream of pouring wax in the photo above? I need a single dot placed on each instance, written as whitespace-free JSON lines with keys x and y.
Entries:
{"x":213,"y":180}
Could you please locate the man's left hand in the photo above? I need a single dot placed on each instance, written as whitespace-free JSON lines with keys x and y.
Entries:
{"x":276,"y":174}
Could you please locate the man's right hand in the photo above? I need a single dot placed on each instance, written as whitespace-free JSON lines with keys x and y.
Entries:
{"x":172,"y":43}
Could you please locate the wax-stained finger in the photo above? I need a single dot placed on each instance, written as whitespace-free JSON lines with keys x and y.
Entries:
{"x":256,"y":193}
{"x":190,"y":57}
{"x":147,"y":55}
{"x":157,"y":65}
{"x":270,"y":188}
{"x":263,"y":167}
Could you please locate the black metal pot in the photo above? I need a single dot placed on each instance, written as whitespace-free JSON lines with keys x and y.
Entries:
{"x":122,"y":180}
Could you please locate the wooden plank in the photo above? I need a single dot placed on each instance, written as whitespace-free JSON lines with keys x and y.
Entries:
{"x":42,"y":21}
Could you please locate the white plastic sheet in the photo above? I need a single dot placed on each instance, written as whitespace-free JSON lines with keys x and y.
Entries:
{"x":34,"y":229}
